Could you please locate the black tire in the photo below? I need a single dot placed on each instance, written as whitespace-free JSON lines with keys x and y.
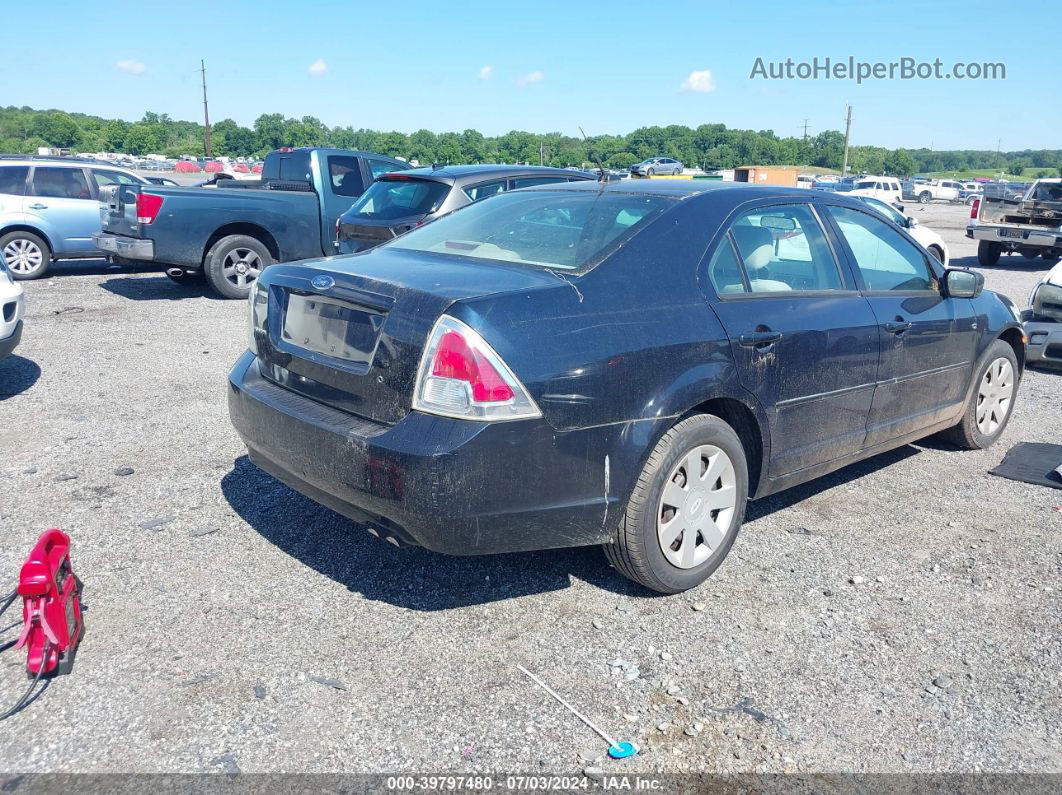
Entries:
{"x":988,"y":252}
{"x":215,"y":263}
{"x":677,"y":172}
{"x":186,"y":278}
{"x":971,"y":199}
{"x":636,"y":553}
{"x":33,"y":245}
{"x":925,"y":197}
{"x":936,"y":252}
{"x":1052,"y":259}
{"x":966,"y":433}
{"x":649,"y":172}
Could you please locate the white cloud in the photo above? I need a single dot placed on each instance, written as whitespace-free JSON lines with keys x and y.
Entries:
{"x":486,"y":72}
{"x":132,"y":67}
{"x":529,"y":79}
{"x":701,"y":82}
{"x":318,"y":68}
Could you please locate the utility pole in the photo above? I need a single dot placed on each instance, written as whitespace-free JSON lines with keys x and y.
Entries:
{"x":541,"y":153}
{"x":847,"y":135}
{"x":805,"y":132}
{"x":206,"y":115}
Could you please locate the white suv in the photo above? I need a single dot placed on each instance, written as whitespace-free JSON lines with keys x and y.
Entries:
{"x":886,"y":189}
{"x":12,"y":308}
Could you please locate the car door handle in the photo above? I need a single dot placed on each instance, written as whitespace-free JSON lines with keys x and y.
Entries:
{"x":760,"y":339}
{"x":897,"y":326}
{"x":38,"y":206}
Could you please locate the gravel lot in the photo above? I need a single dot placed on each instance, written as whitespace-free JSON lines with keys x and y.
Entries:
{"x":900,"y":615}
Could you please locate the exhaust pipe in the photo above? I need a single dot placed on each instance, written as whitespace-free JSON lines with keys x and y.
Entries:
{"x":175,"y":273}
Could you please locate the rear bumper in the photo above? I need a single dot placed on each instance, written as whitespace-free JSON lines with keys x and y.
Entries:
{"x":997,"y":233}
{"x":1044,"y":342}
{"x":8,"y":344}
{"x":453,"y":486}
{"x":128,"y":247}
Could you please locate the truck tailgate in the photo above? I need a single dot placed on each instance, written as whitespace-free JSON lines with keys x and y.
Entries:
{"x":118,"y":209}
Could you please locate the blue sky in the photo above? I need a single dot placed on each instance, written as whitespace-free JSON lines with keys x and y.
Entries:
{"x":553,"y":66}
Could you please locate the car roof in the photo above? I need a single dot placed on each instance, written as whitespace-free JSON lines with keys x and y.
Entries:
{"x":470,"y":173}
{"x":31,"y":160}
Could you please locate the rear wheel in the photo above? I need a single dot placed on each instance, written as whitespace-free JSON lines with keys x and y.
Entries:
{"x":1051,"y":257}
{"x":26,"y":254}
{"x":686,"y":508}
{"x":988,"y":252}
{"x":233,"y":264}
{"x":992,"y":402}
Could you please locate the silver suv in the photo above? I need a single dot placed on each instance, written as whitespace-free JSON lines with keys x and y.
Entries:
{"x":49,"y":209}
{"x":657,"y":165}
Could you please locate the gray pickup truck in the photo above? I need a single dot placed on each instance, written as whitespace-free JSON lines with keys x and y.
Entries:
{"x":1029,"y":224}
{"x":230,"y":232}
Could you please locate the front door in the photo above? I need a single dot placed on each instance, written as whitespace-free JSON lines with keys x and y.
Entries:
{"x":60,"y":202}
{"x":927,"y":340}
{"x":804,"y":339}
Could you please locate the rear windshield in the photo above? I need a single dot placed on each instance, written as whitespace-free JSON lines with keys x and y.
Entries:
{"x":389,"y":200}
{"x":547,"y":229}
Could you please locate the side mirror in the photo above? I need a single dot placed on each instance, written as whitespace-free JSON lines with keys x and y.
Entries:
{"x":961,"y":283}
{"x":912,"y":222}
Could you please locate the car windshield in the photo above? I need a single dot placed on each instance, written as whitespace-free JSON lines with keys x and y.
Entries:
{"x":390,"y":199}
{"x":867,"y":184}
{"x":548,"y":229}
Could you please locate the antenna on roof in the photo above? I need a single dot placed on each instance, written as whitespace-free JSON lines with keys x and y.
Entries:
{"x":601,"y":175}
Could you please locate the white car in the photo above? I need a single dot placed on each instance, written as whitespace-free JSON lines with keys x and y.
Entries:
{"x":1043,"y":320}
{"x":887,"y":189}
{"x":926,"y":237}
{"x":12,"y":308}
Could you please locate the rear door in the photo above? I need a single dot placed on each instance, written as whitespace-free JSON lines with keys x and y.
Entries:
{"x":13,"y":181}
{"x":927,"y":340}
{"x":60,"y":200}
{"x":343,"y":181}
{"x":804,"y":339}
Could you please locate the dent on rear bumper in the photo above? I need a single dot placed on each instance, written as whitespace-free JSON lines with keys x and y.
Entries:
{"x":129,"y":247}
{"x":453,"y":486}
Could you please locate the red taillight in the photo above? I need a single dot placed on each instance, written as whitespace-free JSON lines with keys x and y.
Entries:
{"x":975,"y":207}
{"x":147,"y":208}
{"x":395,"y":178}
{"x":454,"y":359}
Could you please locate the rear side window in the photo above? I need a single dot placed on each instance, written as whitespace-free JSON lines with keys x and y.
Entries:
{"x":112,"y":177}
{"x":13,"y":179}
{"x":527,"y":182}
{"x":390,"y":199}
{"x":60,"y":183}
{"x":886,"y":259}
{"x":783,"y":249}
{"x":345,"y":175}
{"x":484,"y":190}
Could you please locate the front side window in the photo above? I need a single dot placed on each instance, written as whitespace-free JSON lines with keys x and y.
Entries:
{"x":60,"y":183}
{"x":345,"y":174}
{"x":783,"y":248}
{"x":885,"y":258}
{"x":13,"y":179}
{"x":564,"y":230}
{"x":381,"y":167}
{"x":527,"y":182}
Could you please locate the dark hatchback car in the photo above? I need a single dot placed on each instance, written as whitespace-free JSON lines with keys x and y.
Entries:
{"x":621,"y":364}
{"x":396,"y":203}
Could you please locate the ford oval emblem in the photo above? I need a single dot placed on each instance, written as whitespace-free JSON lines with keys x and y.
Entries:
{"x":322,"y":282}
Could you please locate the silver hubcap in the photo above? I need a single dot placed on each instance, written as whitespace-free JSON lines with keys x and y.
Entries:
{"x":242,"y":266}
{"x":23,"y":256}
{"x":697,"y":506}
{"x":994,"y":396}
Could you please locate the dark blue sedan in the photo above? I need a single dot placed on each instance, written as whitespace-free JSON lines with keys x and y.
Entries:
{"x":623,"y":364}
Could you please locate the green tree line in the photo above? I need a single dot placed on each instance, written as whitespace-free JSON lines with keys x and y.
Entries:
{"x":24,"y":129}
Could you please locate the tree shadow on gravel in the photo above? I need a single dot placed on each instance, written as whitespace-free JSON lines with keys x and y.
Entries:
{"x":413,"y":577}
{"x":162,"y":288}
{"x":17,"y":375}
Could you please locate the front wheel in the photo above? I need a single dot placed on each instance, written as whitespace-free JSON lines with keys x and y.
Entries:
{"x":937,"y":252}
{"x":925,"y":197}
{"x":26,"y":254}
{"x":992,"y":401}
{"x":649,"y":172}
{"x":234,"y":263}
{"x":685,"y":509}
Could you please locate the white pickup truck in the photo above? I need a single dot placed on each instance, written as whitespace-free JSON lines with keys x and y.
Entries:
{"x":943,"y":190}
{"x":1030,"y":225}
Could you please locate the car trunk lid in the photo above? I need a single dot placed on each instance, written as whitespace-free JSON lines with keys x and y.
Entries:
{"x":349,"y":331}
